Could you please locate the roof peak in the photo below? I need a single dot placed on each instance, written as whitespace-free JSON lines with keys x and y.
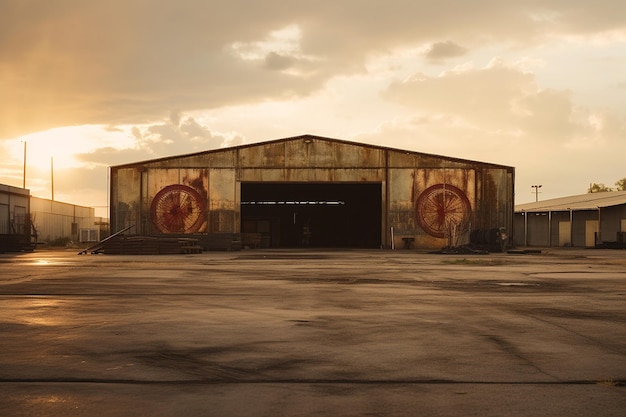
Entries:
{"x":309,"y":136}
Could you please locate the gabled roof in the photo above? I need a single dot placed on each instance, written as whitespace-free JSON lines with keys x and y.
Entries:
{"x":313,"y":137}
{"x":590,"y":201}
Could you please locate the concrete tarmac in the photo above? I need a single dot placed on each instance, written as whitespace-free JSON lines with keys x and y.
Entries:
{"x":313,"y":333}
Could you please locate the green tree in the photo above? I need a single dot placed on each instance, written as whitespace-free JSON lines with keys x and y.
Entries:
{"x":598,"y":188}
{"x":621,"y":184}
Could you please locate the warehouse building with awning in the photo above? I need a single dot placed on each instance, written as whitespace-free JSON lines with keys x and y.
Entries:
{"x":586,"y":220}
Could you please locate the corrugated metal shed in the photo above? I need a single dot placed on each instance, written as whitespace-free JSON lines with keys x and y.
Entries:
{"x":314,"y":190}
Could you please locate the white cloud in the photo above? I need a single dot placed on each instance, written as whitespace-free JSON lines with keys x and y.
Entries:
{"x":285,"y":42}
{"x":488,"y":96}
{"x":179,"y":134}
{"x":444,"y":50}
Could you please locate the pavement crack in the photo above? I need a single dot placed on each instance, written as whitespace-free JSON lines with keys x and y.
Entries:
{"x":508,"y":347}
{"x":621,"y":382}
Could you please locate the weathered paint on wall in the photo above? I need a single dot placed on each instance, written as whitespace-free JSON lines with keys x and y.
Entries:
{"x":460,"y":202}
{"x":14,"y":207}
{"x":156,"y":180}
{"x":126,"y":199}
{"x":217,"y":176}
{"x":223,"y":201}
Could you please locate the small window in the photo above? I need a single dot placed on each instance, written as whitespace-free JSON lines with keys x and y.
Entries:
{"x":88,"y":235}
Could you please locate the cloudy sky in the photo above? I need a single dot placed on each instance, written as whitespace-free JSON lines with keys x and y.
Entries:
{"x":536,"y":84}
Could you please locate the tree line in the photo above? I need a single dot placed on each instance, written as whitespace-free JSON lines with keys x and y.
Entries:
{"x":620,"y":185}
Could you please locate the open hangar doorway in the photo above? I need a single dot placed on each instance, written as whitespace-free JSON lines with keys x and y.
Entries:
{"x":320,"y":215}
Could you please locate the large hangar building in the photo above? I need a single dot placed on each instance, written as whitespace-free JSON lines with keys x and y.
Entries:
{"x":313,"y":191}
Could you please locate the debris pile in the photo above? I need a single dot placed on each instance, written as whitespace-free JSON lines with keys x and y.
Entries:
{"x":145,"y":245}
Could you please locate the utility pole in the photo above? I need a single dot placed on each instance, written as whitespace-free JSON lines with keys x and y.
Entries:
{"x":536,"y":187}
{"x":52,"y":176}
{"x":24,"y":181}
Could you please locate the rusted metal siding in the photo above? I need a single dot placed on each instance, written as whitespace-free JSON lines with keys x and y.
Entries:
{"x":462,"y":182}
{"x":408,"y":159}
{"x":223,"y":204}
{"x":226,"y":158}
{"x":193,"y":179}
{"x":271,"y":156}
{"x":311,"y":175}
{"x":310,"y":153}
{"x":495,"y":203}
{"x":484,"y":190}
{"x":125,"y":198}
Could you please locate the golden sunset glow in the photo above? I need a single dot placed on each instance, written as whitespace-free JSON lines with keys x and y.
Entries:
{"x":537,"y":85}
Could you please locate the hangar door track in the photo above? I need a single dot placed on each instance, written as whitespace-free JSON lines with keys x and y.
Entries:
{"x":321,"y":215}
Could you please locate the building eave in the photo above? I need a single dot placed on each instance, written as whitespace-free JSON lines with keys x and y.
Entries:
{"x":311,"y":137}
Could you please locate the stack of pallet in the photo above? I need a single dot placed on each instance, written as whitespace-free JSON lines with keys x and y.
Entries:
{"x":147,"y":245}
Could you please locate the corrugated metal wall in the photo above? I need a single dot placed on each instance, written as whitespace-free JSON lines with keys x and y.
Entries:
{"x":613,"y":223}
{"x":57,"y":220}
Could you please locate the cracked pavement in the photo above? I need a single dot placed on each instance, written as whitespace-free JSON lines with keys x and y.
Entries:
{"x":312,"y":332}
